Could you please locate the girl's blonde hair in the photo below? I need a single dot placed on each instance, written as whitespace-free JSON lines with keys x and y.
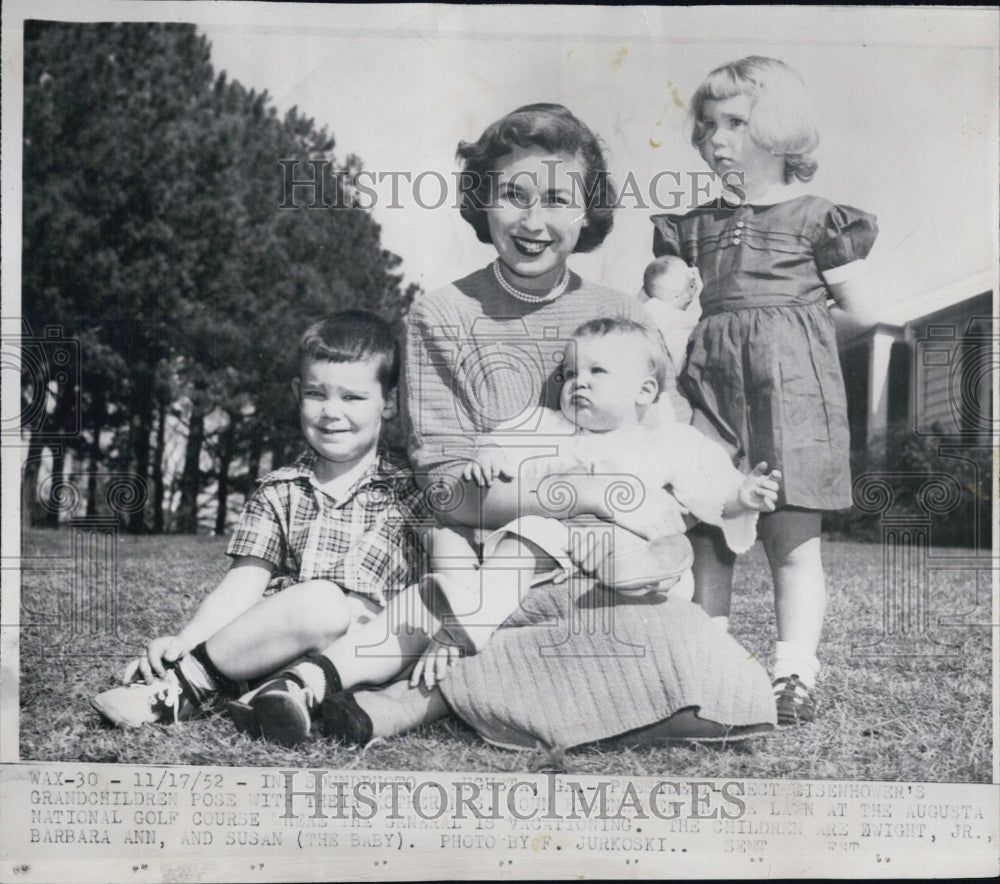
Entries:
{"x":782,"y":119}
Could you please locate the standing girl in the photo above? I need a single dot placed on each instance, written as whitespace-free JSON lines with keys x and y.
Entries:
{"x":762,"y":369}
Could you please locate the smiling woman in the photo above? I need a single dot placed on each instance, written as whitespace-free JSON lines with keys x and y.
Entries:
{"x":536,"y":223}
{"x":485,"y":349}
{"x":482,"y":355}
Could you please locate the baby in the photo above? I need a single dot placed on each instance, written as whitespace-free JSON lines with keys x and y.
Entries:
{"x":612,"y":375}
{"x":669,"y":287}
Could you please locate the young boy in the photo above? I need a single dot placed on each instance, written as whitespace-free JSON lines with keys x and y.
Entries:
{"x":320,"y":546}
{"x":613,"y":374}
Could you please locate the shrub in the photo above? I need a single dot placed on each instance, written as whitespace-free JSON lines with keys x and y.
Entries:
{"x":946,"y":479}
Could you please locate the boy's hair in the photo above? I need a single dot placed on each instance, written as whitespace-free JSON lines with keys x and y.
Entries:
{"x":782,"y":119}
{"x":353,"y":336}
{"x":550,"y":128}
{"x":652,"y":342}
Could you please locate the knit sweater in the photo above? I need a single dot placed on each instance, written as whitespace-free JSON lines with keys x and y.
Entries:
{"x":477,"y":358}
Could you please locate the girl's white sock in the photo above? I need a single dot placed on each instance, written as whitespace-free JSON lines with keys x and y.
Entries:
{"x":791,"y":659}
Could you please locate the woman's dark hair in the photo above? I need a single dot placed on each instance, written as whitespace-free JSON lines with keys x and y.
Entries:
{"x":550,"y":128}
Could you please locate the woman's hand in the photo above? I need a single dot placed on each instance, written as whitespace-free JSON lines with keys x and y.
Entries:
{"x":488,"y":463}
{"x":434,"y":662}
{"x":159,"y":652}
{"x":759,"y":490}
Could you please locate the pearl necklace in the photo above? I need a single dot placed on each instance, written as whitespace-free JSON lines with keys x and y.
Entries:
{"x":524,"y":296}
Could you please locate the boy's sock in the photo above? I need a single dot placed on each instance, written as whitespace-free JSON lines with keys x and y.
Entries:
{"x":791,"y":659}
{"x":319,"y":676}
{"x":200,"y":675}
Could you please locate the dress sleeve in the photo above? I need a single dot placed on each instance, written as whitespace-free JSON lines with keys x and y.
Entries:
{"x":845,"y":238}
{"x":666,"y":235}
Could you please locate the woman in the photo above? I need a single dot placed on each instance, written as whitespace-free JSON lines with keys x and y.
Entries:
{"x":482,"y":352}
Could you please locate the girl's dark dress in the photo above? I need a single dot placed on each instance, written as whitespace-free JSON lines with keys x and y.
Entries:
{"x":762,"y":363}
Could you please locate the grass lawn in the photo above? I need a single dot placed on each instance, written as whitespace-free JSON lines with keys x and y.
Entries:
{"x":920,"y":717}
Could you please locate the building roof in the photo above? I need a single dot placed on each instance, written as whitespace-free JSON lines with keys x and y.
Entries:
{"x":924,"y":303}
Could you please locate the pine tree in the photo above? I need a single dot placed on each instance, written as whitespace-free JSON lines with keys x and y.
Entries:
{"x":152,"y":236}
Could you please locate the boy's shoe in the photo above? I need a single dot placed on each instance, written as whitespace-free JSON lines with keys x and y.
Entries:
{"x":242,"y":715}
{"x":343,"y":719}
{"x":278,"y":710}
{"x":795,"y":703}
{"x":167,"y":700}
{"x":646,"y":566}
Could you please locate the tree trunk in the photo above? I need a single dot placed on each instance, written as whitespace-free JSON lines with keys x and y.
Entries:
{"x":97,"y":412}
{"x":187,"y":517}
{"x":140,"y":431}
{"x":227,"y":447}
{"x":58,"y":467}
{"x":158,"y":453}
{"x":255,"y":453}
{"x":32,"y":512}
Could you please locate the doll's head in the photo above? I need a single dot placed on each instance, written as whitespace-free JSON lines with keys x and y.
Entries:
{"x":780,"y":119}
{"x":669,"y":279}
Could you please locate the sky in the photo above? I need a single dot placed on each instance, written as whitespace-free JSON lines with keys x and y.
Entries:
{"x":906,"y":100}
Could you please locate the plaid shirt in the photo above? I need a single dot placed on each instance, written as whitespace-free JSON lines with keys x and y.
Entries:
{"x":367,"y":543}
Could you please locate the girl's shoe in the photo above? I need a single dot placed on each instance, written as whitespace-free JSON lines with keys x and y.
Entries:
{"x":795,"y":703}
